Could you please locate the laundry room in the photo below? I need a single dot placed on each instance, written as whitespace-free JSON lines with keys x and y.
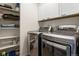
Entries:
{"x":39,"y":29}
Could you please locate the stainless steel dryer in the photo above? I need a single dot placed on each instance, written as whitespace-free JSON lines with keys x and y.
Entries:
{"x":60,"y":43}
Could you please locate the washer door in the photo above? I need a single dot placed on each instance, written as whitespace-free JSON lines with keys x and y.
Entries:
{"x":55,"y":49}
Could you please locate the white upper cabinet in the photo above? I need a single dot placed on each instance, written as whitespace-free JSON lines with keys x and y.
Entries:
{"x":68,"y":8}
{"x":50,"y":10}
{"x":47,"y":10}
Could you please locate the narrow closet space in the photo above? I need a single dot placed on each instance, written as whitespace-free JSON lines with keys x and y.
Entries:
{"x":9,"y":29}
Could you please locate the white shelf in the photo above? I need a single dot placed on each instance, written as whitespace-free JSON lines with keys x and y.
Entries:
{"x":4,"y":10}
{"x":8,"y":37}
{"x":11,"y":10}
{"x":6,"y":47}
{"x":9,"y":28}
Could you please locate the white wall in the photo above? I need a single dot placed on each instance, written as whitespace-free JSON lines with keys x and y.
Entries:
{"x":29,"y":22}
{"x":48,"y":10}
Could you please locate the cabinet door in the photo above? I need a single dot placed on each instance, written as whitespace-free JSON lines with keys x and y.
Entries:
{"x":69,"y":8}
{"x":47,"y":10}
